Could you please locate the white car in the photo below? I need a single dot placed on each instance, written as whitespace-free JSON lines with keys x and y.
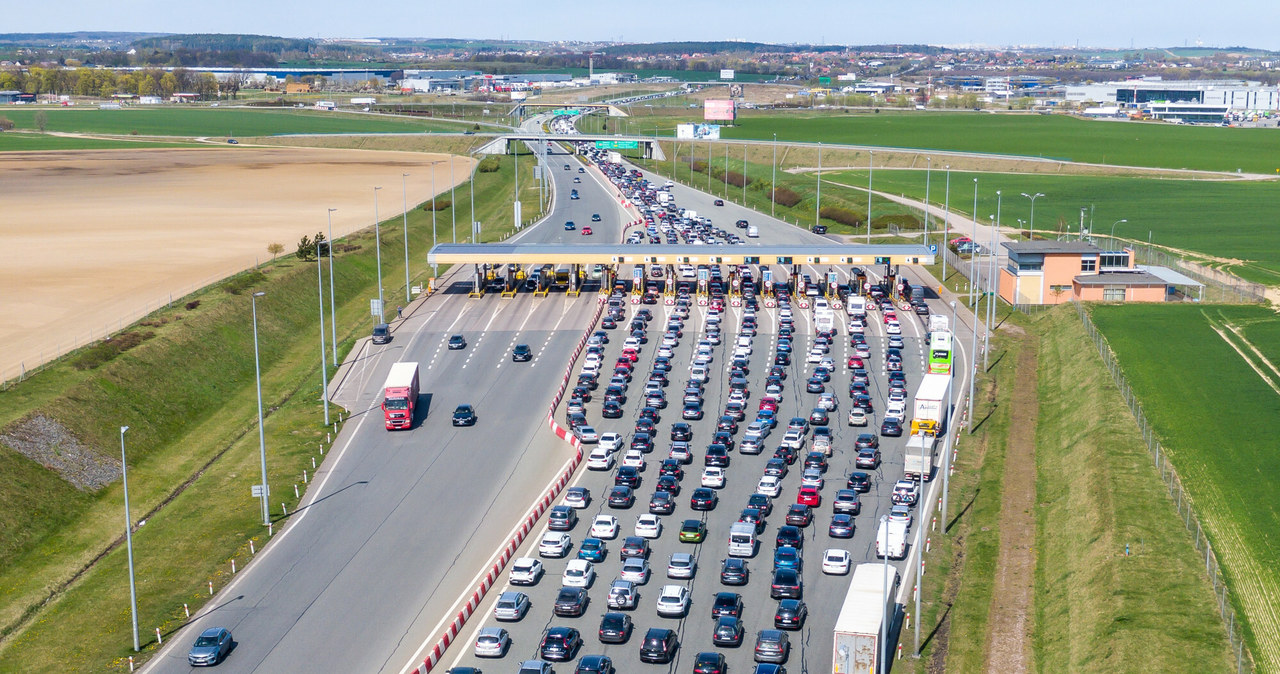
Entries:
{"x":634,"y":458}
{"x":741,"y":352}
{"x":600,"y":459}
{"x":631,"y":343}
{"x":610,"y":442}
{"x":665,"y":351}
{"x":526,"y":571}
{"x":896,"y":411}
{"x":713,"y":476}
{"x":857,"y":325}
{"x":835,"y":562}
{"x":492,"y":642}
{"x":828,"y":363}
{"x":698,"y":373}
{"x":900,"y":513}
{"x":738,"y":396}
{"x":604,"y":526}
{"x":857,"y":417}
{"x":815,"y":355}
{"x":635,"y":570}
{"x":648,"y":526}
{"x":682,"y":565}
{"x":592,"y":358}
{"x":794,"y":439}
{"x":827,"y":401}
{"x":897,"y":396}
{"x":702,"y":359}
{"x":579,"y":573}
{"x":673,"y":601}
{"x":769,"y":485}
{"x":812,"y":477}
{"x":893,"y":328}
{"x":554,"y":544}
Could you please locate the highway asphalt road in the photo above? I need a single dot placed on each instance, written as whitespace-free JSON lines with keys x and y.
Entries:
{"x":823,"y":594}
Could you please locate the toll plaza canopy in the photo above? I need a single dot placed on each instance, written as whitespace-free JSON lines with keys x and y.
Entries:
{"x":583,"y":254}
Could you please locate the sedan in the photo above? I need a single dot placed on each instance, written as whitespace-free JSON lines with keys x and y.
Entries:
{"x":841,"y":526}
{"x":859,"y":482}
{"x":571,"y":601}
{"x":728,"y":632}
{"x":594,"y":664}
{"x":868,"y":458}
{"x":492,"y":642}
{"x":692,"y":411}
{"x":621,"y":497}
{"x":648,"y":526}
{"x":465,"y":415}
{"x":836,"y":562}
{"x":615,"y":628}
{"x":713,"y":476}
{"x":692,"y":531}
{"x":593,"y":550}
{"x":769,"y":485}
{"x":511,"y":606}
{"x":560,"y":644}
{"x":847,"y":501}
{"x":457,"y":343}
{"x":211,"y":647}
{"x":604,"y":526}
{"x":662,"y":503}
{"x":799,"y":515}
{"x":703,"y":499}
{"x":634,"y":546}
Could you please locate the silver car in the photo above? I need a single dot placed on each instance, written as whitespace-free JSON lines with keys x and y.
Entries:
{"x":210,"y":647}
{"x":511,"y":606}
{"x":492,"y":642}
{"x":682,"y":565}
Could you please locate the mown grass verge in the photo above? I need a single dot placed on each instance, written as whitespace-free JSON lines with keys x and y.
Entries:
{"x":1098,"y":608}
{"x":188,"y":396}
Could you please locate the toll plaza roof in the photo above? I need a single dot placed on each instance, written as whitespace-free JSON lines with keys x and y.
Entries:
{"x":561,"y":253}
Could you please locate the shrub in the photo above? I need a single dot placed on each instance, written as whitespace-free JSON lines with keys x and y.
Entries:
{"x":843,"y":216}
{"x":109,"y":348}
{"x":901,"y":220}
{"x":245,"y":281}
{"x":786,"y":197}
{"x":440,"y":205}
{"x":192,"y":304}
{"x":738,"y":180}
{"x":6,"y":124}
{"x":489,"y":164}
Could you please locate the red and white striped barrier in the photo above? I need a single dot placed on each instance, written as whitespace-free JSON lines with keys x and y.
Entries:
{"x":508,"y":551}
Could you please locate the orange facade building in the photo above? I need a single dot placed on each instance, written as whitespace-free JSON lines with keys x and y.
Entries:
{"x":1053,"y":272}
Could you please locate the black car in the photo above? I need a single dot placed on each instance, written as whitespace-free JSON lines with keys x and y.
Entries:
{"x":634,"y":546}
{"x":727,"y":423}
{"x":819,"y":229}
{"x":761,"y":502}
{"x":727,"y":603}
{"x":786,"y":583}
{"x":669,"y":483}
{"x":615,"y":628}
{"x":723,"y":438}
{"x":782,"y":359}
{"x":859,"y":482}
{"x":560,"y":644}
{"x":816,"y":460}
{"x":790,"y":535}
{"x":776,"y":467}
{"x":717,"y":455}
{"x":621,"y":496}
{"x":464,"y":415}
{"x":704,"y":498}
{"x":521,"y":353}
{"x":611,"y":410}
{"x":891,"y":428}
{"x":790,"y":615}
{"x":847,"y":501}
{"x":799,"y":515}
{"x":572,"y":601}
{"x":734,"y":571}
{"x":642,"y":442}
{"x":659,"y":645}
{"x":627,"y":475}
{"x":672,"y":467}
{"x":592,"y":664}
{"x":710,"y":662}
{"x":662,"y":503}
{"x":681,"y":430}
{"x":457,"y":342}
{"x":728,"y":632}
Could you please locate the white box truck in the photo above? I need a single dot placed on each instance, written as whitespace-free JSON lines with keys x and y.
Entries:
{"x":938,"y":323}
{"x":891,"y":539}
{"x":824,"y":319}
{"x":753,"y":232}
{"x":932,"y":404}
{"x":742,"y":539}
{"x":919,"y":456}
{"x":856,"y":648}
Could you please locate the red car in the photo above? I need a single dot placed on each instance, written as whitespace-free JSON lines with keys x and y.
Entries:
{"x":586,"y":231}
{"x":959,"y":240}
{"x":769,"y":404}
{"x":855,"y":363}
{"x":890,"y":316}
{"x":809,"y":496}
{"x":631,"y":354}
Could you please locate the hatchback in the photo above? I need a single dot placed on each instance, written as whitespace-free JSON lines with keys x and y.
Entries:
{"x":211,"y":647}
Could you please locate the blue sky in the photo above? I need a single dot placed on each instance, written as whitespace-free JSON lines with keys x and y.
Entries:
{"x":1093,"y":23}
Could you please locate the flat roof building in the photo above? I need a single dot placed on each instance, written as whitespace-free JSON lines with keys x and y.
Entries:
{"x":1053,"y":272}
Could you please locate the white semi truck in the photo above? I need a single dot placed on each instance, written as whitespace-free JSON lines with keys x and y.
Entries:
{"x":857,"y":647}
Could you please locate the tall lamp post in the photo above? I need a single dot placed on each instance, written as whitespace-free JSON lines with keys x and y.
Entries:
{"x":946,"y":447}
{"x":453,"y":210}
{"x":817,"y":207}
{"x":992,"y":284}
{"x":946,"y":227}
{"x":928,"y":174}
{"x":324,"y":367}
{"x":377,"y":247}
{"x":1031,"y":229}
{"x":973,"y":258}
{"x":128,"y":539}
{"x":404,"y":187}
{"x":262,"y":438}
{"x":1113,"y":231}
{"x":333,"y":321}
{"x":871,"y":171}
{"x":774,"y":190}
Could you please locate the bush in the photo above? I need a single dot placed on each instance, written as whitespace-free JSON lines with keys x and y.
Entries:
{"x":786,"y":197}
{"x":6,"y":124}
{"x":192,"y":304}
{"x":109,"y":348}
{"x":843,"y":216}
{"x":245,"y":281}
{"x":489,"y":164}
{"x":738,"y":180}
{"x":901,"y":220}
{"x":440,"y":205}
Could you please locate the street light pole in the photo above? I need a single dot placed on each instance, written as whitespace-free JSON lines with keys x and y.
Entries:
{"x":817,"y":208}
{"x":1031,"y":229}
{"x":128,"y":538}
{"x":928,"y":174}
{"x":262,"y":438}
{"x":377,"y":247}
{"x":946,"y":226}
{"x":871,"y":170}
{"x":992,"y":285}
{"x":404,"y":186}
{"x":333,"y":321}
{"x":774,"y":190}
{"x":1113,"y":232}
{"x":744,"y":174}
{"x":472,"y":182}
{"x":973,"y":258}
{"x":946,"y":444}
{"x":324,"y":368}
{"x":435,"y":268}
{"x":453,"y":205}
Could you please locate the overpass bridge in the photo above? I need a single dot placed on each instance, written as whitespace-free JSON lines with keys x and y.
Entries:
{"x":501,"y":144}
{"x":613,"y":110}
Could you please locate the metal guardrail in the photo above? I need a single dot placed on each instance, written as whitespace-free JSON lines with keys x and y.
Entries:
{"x":1168,"y":473}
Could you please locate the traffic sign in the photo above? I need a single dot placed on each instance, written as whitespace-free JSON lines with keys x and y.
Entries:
{"x":617,"y":144}
{"x":375,"y":307}
{"x":933,"y":249}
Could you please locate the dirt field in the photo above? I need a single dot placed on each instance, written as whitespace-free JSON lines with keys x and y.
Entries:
{"x":95,"y":239}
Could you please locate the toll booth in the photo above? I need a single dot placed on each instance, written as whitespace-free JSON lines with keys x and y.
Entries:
{"x":479,"y":280}
{"x":514,"y":277}
{"x":545,"y":279}
{"x":637,"y":283}
{"x":576,"y":279}
{"x":859,"y":281}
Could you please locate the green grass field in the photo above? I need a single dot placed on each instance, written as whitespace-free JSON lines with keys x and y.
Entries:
{"x":1213,"y":412}
{"x":1055,"y":136}
{"x":218,"y":122}
{"x":1239,"y":220}
{"x":198,"y":411}
{"x":31,"y":142}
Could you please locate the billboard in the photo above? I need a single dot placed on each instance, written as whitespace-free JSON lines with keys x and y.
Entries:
{"x":726,"y":73}
{"x":718,"y":110}
{"x":519,"y":95}
{"x":735,"y":91}
{"x":697,"y":131}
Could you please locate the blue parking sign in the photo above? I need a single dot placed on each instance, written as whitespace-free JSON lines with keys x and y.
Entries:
{"x":933,"y":249}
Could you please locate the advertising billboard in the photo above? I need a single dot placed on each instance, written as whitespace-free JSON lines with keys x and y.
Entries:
{"x":697,"y":131}
{"x":519,"y":95}
{"x":726,"y":73}
{"x":735,"y":91}
{"x":718,"y":110}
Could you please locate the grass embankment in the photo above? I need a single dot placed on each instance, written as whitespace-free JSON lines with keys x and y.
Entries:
{"x":187,"y":394}
{"x":1222,"y":219}
{"x":1099,"y":493}
{"x":1211,"y":412}
{"x":218,"y":122}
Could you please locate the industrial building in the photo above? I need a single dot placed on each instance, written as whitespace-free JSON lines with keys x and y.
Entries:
{"x":1193,"y":102}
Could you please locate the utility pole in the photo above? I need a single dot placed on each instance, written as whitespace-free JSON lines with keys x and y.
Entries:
{"x":992,"y":286}
{"x":871,"y":170}
{"x":946,"y":227}
{"x":817,"y":208}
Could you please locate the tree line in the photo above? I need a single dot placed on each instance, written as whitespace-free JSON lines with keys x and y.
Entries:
{"x":105,"y":83}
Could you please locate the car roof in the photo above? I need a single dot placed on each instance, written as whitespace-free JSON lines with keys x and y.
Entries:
{"x":213,"y":632}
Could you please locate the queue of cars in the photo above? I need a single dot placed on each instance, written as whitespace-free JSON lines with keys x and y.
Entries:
{"x":657,"y":519}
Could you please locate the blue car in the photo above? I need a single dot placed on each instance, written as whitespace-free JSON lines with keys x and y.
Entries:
{"x":569,"y":226}
{"x":786,"y":557}
{"x":592,"y":550}
{"x":210,"y":647}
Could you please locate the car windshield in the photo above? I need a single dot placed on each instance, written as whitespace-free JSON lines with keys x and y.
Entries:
{"x":206,"y":641}
{"x":397,"y":403}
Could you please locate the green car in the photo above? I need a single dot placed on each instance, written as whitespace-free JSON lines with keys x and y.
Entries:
{"x":692,"y":531}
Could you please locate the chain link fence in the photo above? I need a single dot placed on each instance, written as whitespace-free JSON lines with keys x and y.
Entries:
{"x":1182,"y":501}
{"x":1219,"y":286}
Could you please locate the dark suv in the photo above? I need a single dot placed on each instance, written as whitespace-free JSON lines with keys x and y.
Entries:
{"x":660,"y":645}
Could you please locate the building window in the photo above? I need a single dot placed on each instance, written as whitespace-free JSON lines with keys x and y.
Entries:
{"x":1113,"y":294}
{"x":1114,"y":260}
{"x":1088,"y":264}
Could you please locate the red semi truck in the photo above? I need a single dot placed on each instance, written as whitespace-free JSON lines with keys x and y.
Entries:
{"x":400,"y":396}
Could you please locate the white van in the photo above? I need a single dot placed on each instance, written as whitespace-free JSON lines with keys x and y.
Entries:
{"x":753,"y":232}
{"x":891,"y":540}
{"x":698,"y":373}
{"x":742,"y":539}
